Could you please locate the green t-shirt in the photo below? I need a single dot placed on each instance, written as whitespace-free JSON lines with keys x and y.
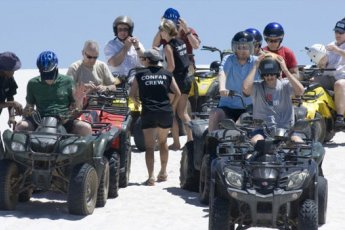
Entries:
{"x":51,"y":100}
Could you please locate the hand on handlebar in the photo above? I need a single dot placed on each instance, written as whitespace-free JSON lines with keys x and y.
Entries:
{"x":224,"y":92}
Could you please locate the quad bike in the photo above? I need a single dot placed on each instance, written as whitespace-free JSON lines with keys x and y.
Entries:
{"x":51,"y":159}
{"x":274,"y":184}
{"x":111,"y":107}
{"x":317,"y":103}
{"x":196,"y":158}
{"x":205,"y":84}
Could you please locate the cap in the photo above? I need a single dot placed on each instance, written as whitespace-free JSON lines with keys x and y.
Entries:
{"x":340,"y":26}
{"x":153,"y":55}
{"x":9,"y":62}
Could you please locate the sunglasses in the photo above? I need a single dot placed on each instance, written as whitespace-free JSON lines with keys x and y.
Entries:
{"x":273,"y":40}
{"x":270,"y":75}
{"x":122,"y":29}
{"x":90,"y":57}
{"x":338,"y":32}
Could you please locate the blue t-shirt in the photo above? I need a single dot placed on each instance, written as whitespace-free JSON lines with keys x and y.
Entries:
{"x":235,"y":74}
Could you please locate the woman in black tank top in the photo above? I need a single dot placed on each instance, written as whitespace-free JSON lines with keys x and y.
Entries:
{"x":177,"y":62}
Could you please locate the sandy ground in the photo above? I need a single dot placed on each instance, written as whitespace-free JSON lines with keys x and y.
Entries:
{"x":164,"y":206}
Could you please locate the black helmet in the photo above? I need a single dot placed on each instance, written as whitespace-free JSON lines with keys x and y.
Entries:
{"x":274,"y":30}
{"x":123,"y":20}
{"x":257,"y":35}
{"x":243,"y":38}
{"x":269,"y":66}
{"x":214,"y":66}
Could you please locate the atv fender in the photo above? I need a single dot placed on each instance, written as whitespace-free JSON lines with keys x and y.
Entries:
{"x":199,"y":131}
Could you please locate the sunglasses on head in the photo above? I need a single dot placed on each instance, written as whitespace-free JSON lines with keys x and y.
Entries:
{"x":90,"y":57}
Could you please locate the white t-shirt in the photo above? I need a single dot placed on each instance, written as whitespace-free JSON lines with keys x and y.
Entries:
{"x":131,"y":60}
{"x":337,"y":62}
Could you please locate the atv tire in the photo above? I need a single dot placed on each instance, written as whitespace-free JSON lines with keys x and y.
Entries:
{"x":308,"y":216}
{"x":189,"y":176}
{"x":114,"y":177}
{"x":319,"y":127}
{"x":204,"y":183}
{"x":138,"y":135}
{"x":323,"y":197}
{"x":9,"y":185}
{"x":82,"y":192}
{"x":220,"y":215}
{"x":25,"y":196}
{"x":103,"y":188}
{"x":124,"y":176}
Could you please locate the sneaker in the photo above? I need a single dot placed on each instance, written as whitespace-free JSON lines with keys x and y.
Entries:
{"x":339,"y":123}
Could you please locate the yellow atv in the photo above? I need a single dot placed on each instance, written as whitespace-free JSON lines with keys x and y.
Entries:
{"x":205,"y":82}
{"x":317,"y":103}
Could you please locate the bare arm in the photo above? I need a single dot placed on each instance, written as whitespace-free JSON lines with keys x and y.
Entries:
{"x":134,"y":91}
{"x":247,"y":85}
{"x":170,"y":58}
{"x":193,"y":40}
{"x":296,"y":85}
{"x":222,"y":80}
{"x":118,"y":58}
{"x":157,"y":40}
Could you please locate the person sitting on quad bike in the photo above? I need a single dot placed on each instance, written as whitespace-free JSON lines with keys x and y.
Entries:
{"x":9,"y":62}
{"x":152,"y":86}
{"x":333,"y":57}
{"x":123,"y":53}
{"x":233,"y":70}
{"x":53,"y":95}
{"x":187,"y":34}
{"x":274,"y":34}
{"x":272,"y":96}
{"x":92,"y":73}
{"x":258,"y":40}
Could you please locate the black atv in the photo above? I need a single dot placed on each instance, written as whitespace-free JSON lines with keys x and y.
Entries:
{"x":112,"y":107}
{"x":51,"y":159}
{"x":275,"y":184}
{"x":197,"y":154}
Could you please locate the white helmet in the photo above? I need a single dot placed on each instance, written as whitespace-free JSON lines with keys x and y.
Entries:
{"x":316,"y":52}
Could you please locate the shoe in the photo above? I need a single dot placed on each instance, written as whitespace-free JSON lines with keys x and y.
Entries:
{"x":150,"y":181}
{"x":162,"y":177}
{"x":339,"y":123}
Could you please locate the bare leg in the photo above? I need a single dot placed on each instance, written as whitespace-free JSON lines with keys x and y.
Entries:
{"x":81,"y":128}
{"x":149,"y":136}
{"x":182,"y":113}
{"x":339,"y":91}
{"x":164,"y":152}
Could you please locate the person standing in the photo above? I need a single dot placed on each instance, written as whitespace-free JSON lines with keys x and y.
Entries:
{"x":177,"y":60}
{"x":123,"y":52}
{"x":152,"y":85}
{"x":9,"y":63}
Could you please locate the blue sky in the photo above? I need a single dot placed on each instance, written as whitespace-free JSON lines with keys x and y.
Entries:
{"x":29,"y":27}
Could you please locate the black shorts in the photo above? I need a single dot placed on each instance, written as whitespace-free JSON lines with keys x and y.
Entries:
{"x":162,"y":120}
{"x":184,"y":84}
{"x":233,"y":114}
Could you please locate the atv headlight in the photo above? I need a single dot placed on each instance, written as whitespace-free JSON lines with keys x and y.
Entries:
{"x":70,"y":149}
{"x":233,"y":178}
{"x":296,"y":179}
{"x":17,"y":147}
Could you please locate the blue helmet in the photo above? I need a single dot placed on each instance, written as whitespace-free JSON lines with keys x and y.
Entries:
{"x":172,"y":15}
{"x":256,"y":34}
{"x":273,"y":29}
{"x":47,"y":61}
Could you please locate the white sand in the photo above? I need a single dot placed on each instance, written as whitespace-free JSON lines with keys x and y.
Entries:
{"x":164,"y":206}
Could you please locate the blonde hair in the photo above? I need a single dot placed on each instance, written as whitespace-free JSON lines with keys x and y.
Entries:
{"x":169,"y":27}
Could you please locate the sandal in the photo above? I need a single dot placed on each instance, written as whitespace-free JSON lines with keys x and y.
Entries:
{"x":150,"y":182}
{"x":171,"y":147}
{"x":162,"y":177}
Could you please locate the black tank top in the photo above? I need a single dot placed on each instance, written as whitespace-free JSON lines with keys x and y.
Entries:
{"x":154,"y":84}
{"x":180,"y":57}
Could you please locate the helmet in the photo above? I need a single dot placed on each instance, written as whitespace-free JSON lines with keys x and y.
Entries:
{"x":47,"y":64}
{"x":269,"y":66}
{"x":316,"y":52}
{"x":47,"y":61}
{"x":214,"y":66}
{"x":243,"y":38}
{"x":273,"y":29}
{"x":123,"y":20}
{"x":256,"y":34}
{"x":172,"y":15}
